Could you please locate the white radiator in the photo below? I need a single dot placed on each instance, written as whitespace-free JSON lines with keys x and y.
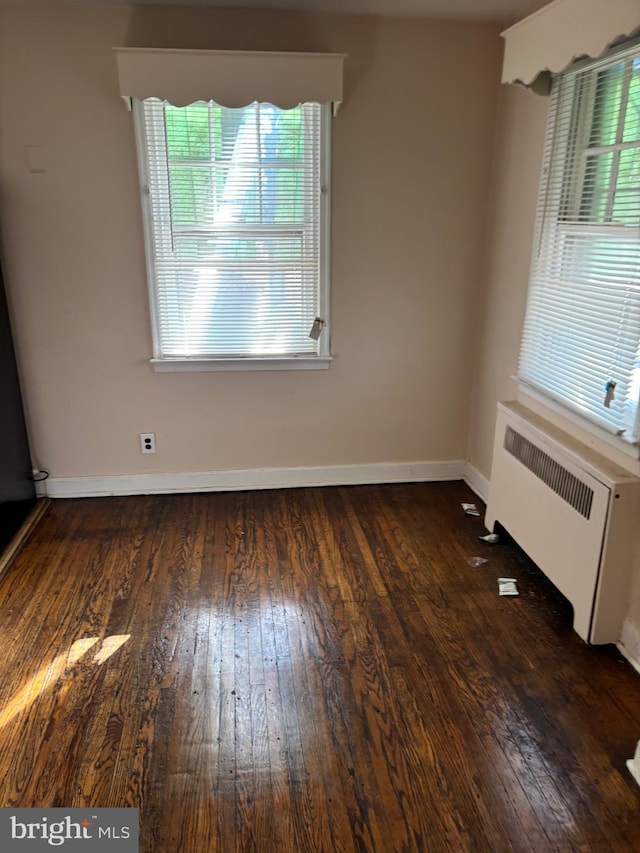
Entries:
{"x":572,"y":511}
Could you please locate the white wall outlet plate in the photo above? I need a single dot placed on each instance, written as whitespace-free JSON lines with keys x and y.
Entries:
{"x":147,"y":442}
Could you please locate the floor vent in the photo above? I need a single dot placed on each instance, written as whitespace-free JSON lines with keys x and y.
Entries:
{"x":554,"y":475}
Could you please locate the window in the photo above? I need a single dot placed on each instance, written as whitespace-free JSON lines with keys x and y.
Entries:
{"x":581,"y":339}
{"x":236,"y":219}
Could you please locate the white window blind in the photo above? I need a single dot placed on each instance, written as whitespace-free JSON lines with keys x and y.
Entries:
{"x":236,"y":228}
{"x":582,"y":328}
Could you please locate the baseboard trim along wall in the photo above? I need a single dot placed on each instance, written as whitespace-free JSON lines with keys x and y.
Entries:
{"x":633,"y":765}
{"x":476,"y":481}
{"x":629,"y":644}
{"x":258,"y":478}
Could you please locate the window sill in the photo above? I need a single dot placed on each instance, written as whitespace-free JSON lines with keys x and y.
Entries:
{"x":606,"y":438}
{"x":207,"y":365}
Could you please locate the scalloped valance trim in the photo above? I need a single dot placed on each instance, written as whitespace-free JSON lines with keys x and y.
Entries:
{"x":229,"y":77}
{"x":551,"y":39}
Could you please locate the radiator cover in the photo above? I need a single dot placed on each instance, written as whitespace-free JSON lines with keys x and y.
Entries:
{"x":572,"y":511}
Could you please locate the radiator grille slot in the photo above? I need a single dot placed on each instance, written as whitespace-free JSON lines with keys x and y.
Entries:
{"x":562,"y":482}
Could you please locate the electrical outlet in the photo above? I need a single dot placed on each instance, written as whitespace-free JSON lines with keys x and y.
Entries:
{"x":147,"y":442}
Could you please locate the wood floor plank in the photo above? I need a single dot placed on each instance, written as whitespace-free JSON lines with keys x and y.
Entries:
{"x":309,"y":670}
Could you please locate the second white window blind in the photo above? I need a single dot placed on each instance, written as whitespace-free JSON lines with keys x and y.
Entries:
{"x":582,"y":329}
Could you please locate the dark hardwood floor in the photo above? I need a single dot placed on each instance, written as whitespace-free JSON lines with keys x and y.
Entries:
{"x":309,"y":670}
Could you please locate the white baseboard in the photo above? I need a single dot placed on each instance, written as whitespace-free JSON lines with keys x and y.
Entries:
{"x":258,"y":478}
{"x":629,"y":644}
{"x":476,"y":481}
{"x":634,"y":765}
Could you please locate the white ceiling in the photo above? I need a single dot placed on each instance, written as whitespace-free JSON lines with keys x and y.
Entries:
{"x":471,"y":10}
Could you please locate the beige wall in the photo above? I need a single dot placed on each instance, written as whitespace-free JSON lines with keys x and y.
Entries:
{"x":411,"y":150}
{"x":511,"y":215}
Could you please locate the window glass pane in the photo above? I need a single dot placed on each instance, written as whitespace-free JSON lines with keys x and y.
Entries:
{"x":290,"y":129}
{"x":626,"y":205}
{"x":188,"y":249}
{"x":187,"y":131}
{"x":588,"y":260}
{"x":606,"y":111}
{"x":632,"y":120}
{"x":191,"y":195}
{"x":284,"y":195}
{"x":597,"y":181}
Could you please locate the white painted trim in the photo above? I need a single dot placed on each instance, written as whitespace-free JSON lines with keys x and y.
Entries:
{"x":629,"y":646}
{"x":634,"y":765}
{"x":258,"y":478}
{"x":599,"y":432}
{"x":476,"y":481}
{"x":190,"y":365}
{"x":549,"y":39}
{"x":233,"y":78}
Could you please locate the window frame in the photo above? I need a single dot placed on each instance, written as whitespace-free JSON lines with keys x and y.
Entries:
{"x":319,"y":361}
{"x":565,"y":212}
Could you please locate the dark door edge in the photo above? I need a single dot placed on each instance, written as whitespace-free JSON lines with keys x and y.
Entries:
{"x":11,"y":551}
